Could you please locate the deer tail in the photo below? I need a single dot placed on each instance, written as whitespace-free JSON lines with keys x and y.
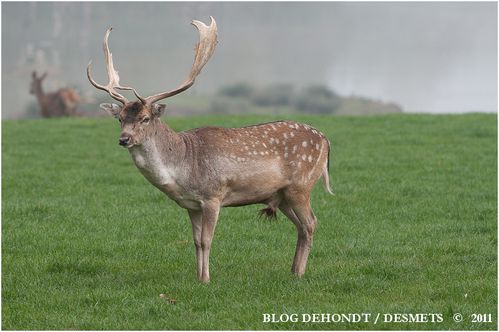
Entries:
{"x":325,"y":171}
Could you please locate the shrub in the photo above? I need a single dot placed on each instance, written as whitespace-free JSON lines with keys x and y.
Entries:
{"x":238,"y":90}
{"x":318,"y":99}
{"x":274,"y":95}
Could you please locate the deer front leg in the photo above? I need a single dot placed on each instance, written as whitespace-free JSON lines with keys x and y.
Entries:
{"x":210,"y":212}
{"x":196,"y":221}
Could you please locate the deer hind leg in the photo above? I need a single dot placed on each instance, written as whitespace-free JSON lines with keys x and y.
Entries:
{"x":300,"y":213}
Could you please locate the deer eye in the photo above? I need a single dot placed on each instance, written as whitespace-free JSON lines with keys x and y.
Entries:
{"x":145,"y":120}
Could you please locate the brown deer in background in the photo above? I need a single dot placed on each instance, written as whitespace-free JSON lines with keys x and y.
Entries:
{"x":63,"y":102}
{"x":204,"y":169}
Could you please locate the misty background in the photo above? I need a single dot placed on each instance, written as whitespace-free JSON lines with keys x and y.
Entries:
{"x":425,"y":57}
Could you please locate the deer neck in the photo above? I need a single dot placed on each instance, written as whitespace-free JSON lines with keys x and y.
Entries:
{"x":159,"y":157}
{"x":40,"y":95}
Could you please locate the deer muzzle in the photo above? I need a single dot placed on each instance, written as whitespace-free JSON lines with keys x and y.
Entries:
{"x":125,"y":139}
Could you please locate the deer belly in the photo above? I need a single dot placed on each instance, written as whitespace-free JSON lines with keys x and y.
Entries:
{"x":254,"y":185}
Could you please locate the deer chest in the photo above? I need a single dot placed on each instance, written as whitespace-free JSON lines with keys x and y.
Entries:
{"x":153,"y":168}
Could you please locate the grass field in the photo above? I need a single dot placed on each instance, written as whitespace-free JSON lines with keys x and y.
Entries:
{"x":88,"y":243}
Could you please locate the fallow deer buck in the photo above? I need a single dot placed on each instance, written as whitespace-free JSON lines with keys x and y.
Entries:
{"x":204,"y":169}
{"x":62,"y":102}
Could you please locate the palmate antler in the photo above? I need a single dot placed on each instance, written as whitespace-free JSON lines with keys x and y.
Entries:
{"x":114,"y":79}
{"x":203,"y":51}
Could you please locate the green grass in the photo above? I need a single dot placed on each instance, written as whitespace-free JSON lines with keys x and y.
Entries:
{"x":88,"y":243}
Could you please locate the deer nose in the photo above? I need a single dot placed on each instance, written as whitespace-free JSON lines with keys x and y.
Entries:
{"x":123,"y":141}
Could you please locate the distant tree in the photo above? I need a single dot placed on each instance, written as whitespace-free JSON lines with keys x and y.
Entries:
{"x":238,"y":90}
{"x":274,"y":95}
{"x":317,"y":99}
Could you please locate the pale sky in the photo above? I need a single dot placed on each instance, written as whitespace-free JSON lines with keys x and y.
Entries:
{"x":432,"y":57}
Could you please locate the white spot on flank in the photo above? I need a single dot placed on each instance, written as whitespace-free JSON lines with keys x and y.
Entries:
{"x":276,"y":141}
{"x":285,"y":155}
{"x":304,"y":157}
{"x":292,"y":134}
{"x":264,"y":145}
{"x":304,"y":144}
{"x":285,"y":135}
{"x":262,"y":153}
{"x":309,"y":159}
{"x":294,"y":148}
{"x":317,"y":146}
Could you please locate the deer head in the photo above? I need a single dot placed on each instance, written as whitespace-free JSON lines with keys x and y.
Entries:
{"x":36,"y":82}
{"x":137,"y":116}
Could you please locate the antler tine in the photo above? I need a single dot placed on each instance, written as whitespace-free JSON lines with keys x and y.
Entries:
{"x":203,"y":51}
{"x":109,"y":90}
{"x":114,"y":79}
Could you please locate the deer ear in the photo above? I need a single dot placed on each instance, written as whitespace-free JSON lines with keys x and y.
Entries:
{"x":158,"y":109}
{"x":112,"y":109}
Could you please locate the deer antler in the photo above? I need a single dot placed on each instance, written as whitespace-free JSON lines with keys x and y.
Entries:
{"x":114,"y":79}
{"x":204,"y":49}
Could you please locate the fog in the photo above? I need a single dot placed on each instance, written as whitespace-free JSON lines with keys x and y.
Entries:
{"x":427,"y":57}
